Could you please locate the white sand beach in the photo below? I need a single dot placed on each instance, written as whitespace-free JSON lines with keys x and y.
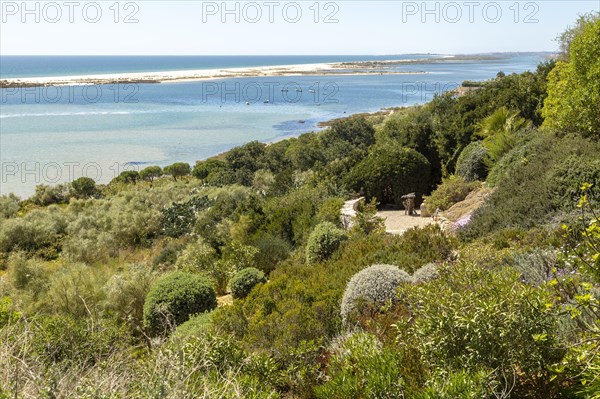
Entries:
{"x":333,"y":69}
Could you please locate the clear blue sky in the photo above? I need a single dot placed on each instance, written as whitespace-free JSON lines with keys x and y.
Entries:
{"x":362,"y":27}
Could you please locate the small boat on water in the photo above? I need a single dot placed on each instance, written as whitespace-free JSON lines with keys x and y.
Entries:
{"x":300,"y":121}
{"x":266,"y":101}
{"x":311,"y":91}
{"x":284,"y":89}
{"x":300,"y":90}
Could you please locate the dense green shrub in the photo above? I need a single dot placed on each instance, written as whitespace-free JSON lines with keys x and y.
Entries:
{"x":464,"y":384}
{"x":196,"y":326}
{"x":527,"y":194}
{"x":362,"y":367}
{"x":174,"y":298}
{"x":566,"y":177}
{"x":178,"y":169}
{"x":197,"y":256}
{"x":9,"y":206}
{"x":179,"y":218}
{"x":84,"y":187}
{"x":471,"y":163}
{"x":373,"y":288}
{"x":243,"y":281}
{"x":272,"y":250}
{"x":391,"y":171}
{"x":150,"y":173}
{"x":324,"y":240}
{"x":129,"y":176}
{"x":47,"y":195}
{"x":573,"y":85}
{"x":473,"y":318}
{"x":452,"y":190}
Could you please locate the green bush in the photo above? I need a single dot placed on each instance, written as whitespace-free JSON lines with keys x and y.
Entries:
{"x":460,"y":385}
{"x":150,"y":173}
{"x":471,"y":163}
{"x":196,"y":326}
{"x":566,"y":177}
{"x":324,"y":240}
{"x":174,"y":298}
{"x":452,"y":190}
{"x":372,"y":288}
{"x":84,"y":187}
{"x":361,"y":367}
{"x":179,"y":218}
{"x":9,"y":206}
{"x":243,"y":281}
{"x":47,"y":195}
{"x":178,"y":169}
{"x":272,"y":250}
{"x":472,"y":318}
{"x":389,"y":172}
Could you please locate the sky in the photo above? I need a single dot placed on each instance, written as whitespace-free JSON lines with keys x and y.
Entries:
{"x":282,"y":27}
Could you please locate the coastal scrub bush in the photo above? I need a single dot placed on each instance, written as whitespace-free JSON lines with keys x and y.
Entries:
{"x":452,"y":190}
{"x":126,"y":291}
{"x":574,"y":84}
{"x":178,"y":169}
{"x":425,"y":273}
{"x":360,"y":366}
{"x":9,"y":206}
{"x":324,"y":240}
{"x":174,"y":298}
{"x":389,"y":172}
{"x":243,"y":281}
{"x":272,"y":250}
{"x":197,"y":256}
{"x":372,"y":288}
{"x":150,"y":173}
{"x":47,"y":195}
{"x":196,"y":326}
{"x":473,"y":318}
{"x":471,"y":163}
{"x":129,"y":176}
{"x":84,"y":187}
{"x":566,"y":177}
{"x":179,"y":218}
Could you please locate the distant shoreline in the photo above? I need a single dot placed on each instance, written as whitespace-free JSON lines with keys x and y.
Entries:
{"x":323,"y":69}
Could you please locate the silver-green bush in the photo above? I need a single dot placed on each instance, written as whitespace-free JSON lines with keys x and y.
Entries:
{"x":374,"y":286}
{"x":425,"y":273}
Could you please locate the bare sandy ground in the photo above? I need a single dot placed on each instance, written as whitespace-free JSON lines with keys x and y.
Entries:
{"x":396,"y":222}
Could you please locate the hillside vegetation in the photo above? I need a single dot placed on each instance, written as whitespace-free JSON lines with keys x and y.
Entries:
{"x":235,"y":279}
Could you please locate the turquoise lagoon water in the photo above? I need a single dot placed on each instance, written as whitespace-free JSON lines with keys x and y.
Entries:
{"x":52,"y":135}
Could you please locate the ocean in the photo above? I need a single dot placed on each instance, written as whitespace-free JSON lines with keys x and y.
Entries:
{"x":50,"y":135}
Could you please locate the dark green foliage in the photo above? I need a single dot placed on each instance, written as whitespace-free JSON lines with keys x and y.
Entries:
{"x":413,"y":128}
{"x":179,"y":218}
{"x":323,"y":242}
{"x":150,"y":173}
{"x":471,"y":164}
{"x":174,"y":298}
{"x":47,"y":195}
{"x":243,"y":281}
{"x":84,"y":187}
{"x":129,"y":176}
{"x":389,"y":172}
{"x":529,"y":191}
{"x":178,"y":169}
{"x":272,"y":250}
{"x":567,"y":176}
{"x":203,"y":169}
